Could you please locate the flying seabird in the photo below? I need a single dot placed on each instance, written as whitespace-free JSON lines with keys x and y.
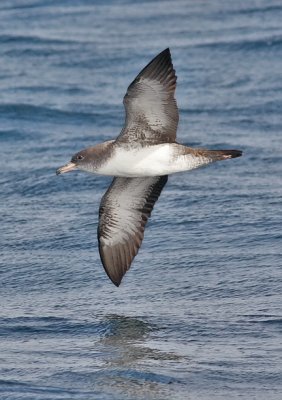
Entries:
{"x":140,"y":159}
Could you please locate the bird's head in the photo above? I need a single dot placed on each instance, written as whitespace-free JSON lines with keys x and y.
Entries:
{"x":79,"y":160}
{"x":88,"y":159}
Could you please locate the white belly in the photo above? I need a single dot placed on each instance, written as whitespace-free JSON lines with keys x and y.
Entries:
{"x":147,"y":161}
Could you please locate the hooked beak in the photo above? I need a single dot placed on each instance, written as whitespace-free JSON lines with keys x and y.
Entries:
{"x":66,"y":168}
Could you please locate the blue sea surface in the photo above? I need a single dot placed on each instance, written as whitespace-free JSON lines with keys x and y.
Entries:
{"x":198,"y":316}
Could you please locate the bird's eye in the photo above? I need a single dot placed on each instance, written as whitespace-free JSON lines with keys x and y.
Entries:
{"x":80,"y":157}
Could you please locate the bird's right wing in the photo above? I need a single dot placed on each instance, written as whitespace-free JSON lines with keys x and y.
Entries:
{"x":124,"y":211}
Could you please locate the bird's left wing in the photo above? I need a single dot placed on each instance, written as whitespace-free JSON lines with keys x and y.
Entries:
{"x":124,"y":211}
{"x":150,"y":105}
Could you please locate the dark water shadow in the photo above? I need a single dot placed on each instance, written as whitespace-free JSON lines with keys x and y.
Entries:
{"x":131,"y":365}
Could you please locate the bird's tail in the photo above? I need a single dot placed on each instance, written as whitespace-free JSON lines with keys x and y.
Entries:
{"x":225,"y":154}
{"x":197,"y":157}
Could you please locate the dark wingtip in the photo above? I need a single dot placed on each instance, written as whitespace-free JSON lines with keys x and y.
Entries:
{"x":167,"y":50}
{"x":164,"y":53}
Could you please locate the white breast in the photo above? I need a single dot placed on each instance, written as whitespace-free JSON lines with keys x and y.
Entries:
{"x":162,"y":159}
{"x":137,"y":162}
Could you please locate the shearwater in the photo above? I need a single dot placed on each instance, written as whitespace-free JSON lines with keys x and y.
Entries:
{"x":140,"y":159}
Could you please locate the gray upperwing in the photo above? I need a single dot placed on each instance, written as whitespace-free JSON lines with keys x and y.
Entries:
{"x":124,"y":211}
{"x":151,"y":109}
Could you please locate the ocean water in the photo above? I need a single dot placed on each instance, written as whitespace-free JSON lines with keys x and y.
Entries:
{"x":198,"y":316}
